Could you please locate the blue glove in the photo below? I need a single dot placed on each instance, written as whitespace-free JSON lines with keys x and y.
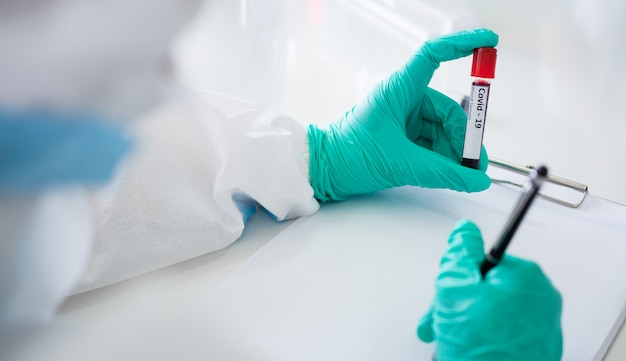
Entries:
{"x":513,"y":314}
{"x":402,"y":133}
{"x":40,"y":150}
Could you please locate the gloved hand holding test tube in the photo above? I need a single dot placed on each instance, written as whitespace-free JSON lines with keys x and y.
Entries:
{"x":402,"y":133}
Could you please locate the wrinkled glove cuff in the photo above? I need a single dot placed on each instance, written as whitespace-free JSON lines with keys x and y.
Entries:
{"x":319,"y":165}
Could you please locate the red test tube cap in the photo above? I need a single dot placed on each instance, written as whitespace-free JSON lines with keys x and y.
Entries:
{"x":484,"y":63}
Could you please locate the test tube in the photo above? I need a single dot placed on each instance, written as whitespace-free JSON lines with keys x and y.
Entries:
{"x":483,"y":71}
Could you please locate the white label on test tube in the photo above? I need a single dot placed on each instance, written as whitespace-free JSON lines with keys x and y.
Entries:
{"x":476,"y":115}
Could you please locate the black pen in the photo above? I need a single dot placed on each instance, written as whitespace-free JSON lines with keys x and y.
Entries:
{"x":497,"y":252}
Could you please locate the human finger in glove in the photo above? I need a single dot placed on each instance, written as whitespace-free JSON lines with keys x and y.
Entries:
{"x":513,"y":314}
{"x":402,"y":133}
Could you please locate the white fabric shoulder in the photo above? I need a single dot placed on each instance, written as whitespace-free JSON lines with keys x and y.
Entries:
{"x":197,"y":173}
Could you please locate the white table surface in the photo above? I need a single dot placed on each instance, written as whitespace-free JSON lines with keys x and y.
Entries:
{"x":78,"y":330}
{"x":557,"y":98}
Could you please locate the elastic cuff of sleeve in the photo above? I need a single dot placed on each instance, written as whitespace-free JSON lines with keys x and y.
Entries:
{"x":303,"y":145}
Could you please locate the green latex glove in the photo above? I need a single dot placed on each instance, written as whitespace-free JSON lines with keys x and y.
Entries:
{"x":513,"y":314}
{"x":402,"y":133}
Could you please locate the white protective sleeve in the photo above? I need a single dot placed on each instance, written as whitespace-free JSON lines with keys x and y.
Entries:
{"x":202,"y":164}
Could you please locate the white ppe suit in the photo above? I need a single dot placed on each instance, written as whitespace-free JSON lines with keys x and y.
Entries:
{"x":201,"y":165}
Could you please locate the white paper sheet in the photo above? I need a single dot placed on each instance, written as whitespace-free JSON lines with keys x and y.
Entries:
{"x":352,"y":281}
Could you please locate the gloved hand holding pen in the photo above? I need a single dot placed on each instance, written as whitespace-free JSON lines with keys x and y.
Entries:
{"x":513,"y":314}
{"x":402,"y":133}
